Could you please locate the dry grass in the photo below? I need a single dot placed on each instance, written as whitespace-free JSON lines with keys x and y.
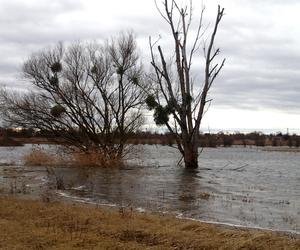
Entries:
{"x":35,"y":225}
{"x":40,"y":157}
{"x":95,"y":159}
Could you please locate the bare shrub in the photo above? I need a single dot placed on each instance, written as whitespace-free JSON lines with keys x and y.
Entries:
{"x":87,"y":95}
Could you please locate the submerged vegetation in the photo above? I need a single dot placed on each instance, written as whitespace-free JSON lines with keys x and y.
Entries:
{"x":42,"y":157}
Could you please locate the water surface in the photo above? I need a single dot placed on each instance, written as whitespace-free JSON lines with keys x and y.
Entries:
{"x":241,"y":186}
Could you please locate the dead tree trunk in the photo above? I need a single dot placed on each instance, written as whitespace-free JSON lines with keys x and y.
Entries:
{"x":175,"y":95}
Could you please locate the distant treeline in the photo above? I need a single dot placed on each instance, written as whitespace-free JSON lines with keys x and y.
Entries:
{"x":206,"y":139}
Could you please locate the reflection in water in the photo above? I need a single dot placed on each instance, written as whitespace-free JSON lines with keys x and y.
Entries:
{"x":265,"y":193}
{"x":188,"y":186}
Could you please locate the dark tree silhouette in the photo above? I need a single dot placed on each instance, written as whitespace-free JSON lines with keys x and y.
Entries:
{"x":175,"y":94}
{"x":87,"y":94}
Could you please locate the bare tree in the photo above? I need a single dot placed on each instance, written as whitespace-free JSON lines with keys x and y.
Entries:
{"x":88,"y":95}
{"x":175,"y":94}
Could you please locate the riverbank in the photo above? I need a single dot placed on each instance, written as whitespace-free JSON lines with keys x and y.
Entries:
{"x":27,"y":224}
{"x":206,"y":140}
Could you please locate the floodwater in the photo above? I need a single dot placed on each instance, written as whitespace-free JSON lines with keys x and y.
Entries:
{"x":236,"y":186}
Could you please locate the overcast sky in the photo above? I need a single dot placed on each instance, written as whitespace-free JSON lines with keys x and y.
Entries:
{"x":258,"y":88}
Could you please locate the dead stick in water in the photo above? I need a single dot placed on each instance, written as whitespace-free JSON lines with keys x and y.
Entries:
{"x":239,"y":168}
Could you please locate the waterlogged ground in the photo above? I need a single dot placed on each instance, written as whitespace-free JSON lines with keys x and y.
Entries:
{"x":240,"y":186}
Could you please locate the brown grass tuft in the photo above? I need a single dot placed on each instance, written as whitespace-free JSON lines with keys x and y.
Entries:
{"x":95,"y":159}
{"x":40,"y":157}
{"x":37,"y":157}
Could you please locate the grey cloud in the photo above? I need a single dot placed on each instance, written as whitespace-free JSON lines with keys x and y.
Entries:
{"x":19,"y":11}
{"x":33,"y":21}
{"x":268,"y":2}
{"x":258,"y":90}
{"x":263,"y":56}
{"x":263,"y":60}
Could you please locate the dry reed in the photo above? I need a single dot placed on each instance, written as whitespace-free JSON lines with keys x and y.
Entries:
{"x":40,"y":157}
{"x":95,"y":159}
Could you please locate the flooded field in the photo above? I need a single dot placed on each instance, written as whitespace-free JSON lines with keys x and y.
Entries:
{"x":237,"y":186}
